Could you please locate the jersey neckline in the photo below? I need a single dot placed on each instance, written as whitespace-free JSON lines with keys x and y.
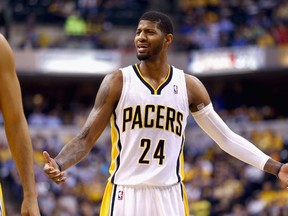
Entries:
{"x":154,"y":91}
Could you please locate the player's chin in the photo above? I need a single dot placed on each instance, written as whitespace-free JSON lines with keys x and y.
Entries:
{"x":142,"y":56}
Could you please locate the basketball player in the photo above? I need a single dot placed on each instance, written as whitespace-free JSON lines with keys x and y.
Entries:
{"x":16,"y":130}
{"x":148,"y":104}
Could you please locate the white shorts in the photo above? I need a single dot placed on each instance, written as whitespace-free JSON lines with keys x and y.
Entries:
{"x":144,"y":201}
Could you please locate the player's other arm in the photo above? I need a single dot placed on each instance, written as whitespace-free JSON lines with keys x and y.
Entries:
{"x":16,"y":127}
{"x":75,"y":150}
{"x":234,"y":144}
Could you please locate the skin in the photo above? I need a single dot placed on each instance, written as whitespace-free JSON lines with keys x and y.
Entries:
{"x":16,"y":128}
{"x":151,"y":46}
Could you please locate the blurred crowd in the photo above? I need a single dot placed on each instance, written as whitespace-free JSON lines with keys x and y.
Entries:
{"x":85,"y":24}
{"x":208,"y":24}
{"x":199,"y":24}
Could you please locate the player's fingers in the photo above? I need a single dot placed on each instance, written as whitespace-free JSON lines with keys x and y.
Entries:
{"x":50,"y":171}
{"x":48,"y":167}
{"x":59,"y":178}
{"x":47,"y":156}
{"x":53,"y":175}
{"x":60,"y":181}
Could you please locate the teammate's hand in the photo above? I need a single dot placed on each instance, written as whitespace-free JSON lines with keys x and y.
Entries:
{"x":52,"y":170}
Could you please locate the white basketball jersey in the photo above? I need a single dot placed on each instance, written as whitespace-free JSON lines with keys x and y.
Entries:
{"x":147,"y":130}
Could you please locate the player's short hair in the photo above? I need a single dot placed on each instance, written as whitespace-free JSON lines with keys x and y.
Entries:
{"x":164,"y":22}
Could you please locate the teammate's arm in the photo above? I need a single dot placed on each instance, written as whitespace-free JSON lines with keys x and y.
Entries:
{"x":16,"y":127}
{"x":206,"y":117}
{"x":74,"y":151}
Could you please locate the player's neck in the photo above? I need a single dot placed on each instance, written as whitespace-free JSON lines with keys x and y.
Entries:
{"x":155,"y":67}
{"x":153,"y":72}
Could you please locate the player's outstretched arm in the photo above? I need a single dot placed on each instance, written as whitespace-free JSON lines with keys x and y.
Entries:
{"x":75,"y":150}
{"x":16,"y":127}
{"x":232,"y":143}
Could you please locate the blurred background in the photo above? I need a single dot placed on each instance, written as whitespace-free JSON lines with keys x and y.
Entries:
{"x":237,"y":48}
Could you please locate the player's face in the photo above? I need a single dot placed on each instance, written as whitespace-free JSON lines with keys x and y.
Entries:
{"x":148,"y":40}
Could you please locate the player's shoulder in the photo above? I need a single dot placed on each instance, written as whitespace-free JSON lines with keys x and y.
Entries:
{"x":112,"y":83}
{"x":116,"y":74}
{"x":192,"y":79}
{"x":114,"y":78}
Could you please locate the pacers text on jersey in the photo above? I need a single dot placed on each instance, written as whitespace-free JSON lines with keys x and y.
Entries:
{"x":152,"y":116}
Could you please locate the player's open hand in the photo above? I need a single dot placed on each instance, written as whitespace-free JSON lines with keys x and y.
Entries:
{"x":283,"y":175}
{"x":52,"y":170}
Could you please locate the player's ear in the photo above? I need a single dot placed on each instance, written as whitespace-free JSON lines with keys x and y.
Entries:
{"x":169,"y":38}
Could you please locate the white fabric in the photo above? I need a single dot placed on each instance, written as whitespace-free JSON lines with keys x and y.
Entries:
{"x":148,"y":201}
{"x":229,"y":141}
{"x":147,"y":130}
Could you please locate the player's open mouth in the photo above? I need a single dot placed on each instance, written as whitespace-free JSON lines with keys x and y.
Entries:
{"x":142,"y":48}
